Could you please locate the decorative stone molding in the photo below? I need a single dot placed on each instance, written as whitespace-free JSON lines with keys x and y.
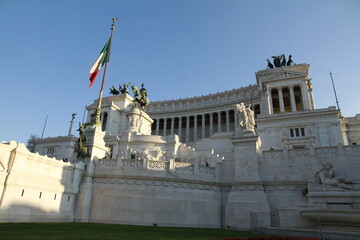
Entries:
{"x":248,"y":187}
{"x":167,"y":184}
{"x":284,"y":187}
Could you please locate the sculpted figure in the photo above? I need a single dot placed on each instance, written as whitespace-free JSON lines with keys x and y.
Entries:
{"x":114,"y":91}
{"x":269,"y":64}
{"x":124,"y":89}
{"x":277,"y":61}
{"x":250,"y":119}
{"x":327,"y":177}
{"x":82,"y":137}
{"x":80,"y":149}
{"x":141,"y":96}
{"x":240,"y":115}
{"x":283,"y":62}
{"x":245,"y":118}
{"x":290,"y":61}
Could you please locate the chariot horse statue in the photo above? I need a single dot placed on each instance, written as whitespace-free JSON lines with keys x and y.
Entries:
{"x":140,"y":96}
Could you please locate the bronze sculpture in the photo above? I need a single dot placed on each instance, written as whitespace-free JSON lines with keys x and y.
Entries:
{"x":141,"y":96}
{"x":122,"y":89}
{"x":280,"y":61}
{"x":80,"y":149}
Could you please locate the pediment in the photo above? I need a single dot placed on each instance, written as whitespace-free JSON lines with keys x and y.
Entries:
{"x":286,"y":75}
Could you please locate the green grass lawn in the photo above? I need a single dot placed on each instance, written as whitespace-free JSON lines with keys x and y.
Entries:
{"x":89,"y":231}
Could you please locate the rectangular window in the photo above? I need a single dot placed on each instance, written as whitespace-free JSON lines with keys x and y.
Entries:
{"x":297,"y":132}
{"x":302,"y":132}
{"x":50,"y":151}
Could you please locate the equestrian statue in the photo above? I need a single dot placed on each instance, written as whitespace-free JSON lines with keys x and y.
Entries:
{"x":141,"y":96}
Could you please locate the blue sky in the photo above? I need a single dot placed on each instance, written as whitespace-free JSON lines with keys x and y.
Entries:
{"x":177,"y":48}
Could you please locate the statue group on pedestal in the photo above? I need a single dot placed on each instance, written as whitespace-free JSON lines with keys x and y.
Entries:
{"x":280,"y":61}
{"x":140,"y":96}
{"x":245,"y":118}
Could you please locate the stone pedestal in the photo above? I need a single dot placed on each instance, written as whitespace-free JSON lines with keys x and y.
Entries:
{"x":246,"y":162}
{"x":247,"y":207}
{"x":139,"y":122}
{"x":97,"y":150}
{"x":95,"y":143}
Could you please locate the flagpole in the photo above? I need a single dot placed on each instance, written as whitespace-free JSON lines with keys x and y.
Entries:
{"x":332,"y":81}
{"x":96,"y":121}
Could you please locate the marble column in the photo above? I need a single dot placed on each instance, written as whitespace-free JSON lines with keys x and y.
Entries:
{"x":292,"y":99}
{"x":165,"y":122}
{"x":281,"y":99}
{"x":211,"y":124}
{"x":305,"y":96}
{"x":227,"y":121}
{"x":271,"y":108}
{"x":202,"y":125}
{"x":235,"y":122}
{"x":187,"y":129}
{"x":157,"y":126}
{"x":195,"y":128}
{"x":172,"y":125}
{"x":312,"y":102}
{"x":180,"y":130}
{"x":219,"y":122}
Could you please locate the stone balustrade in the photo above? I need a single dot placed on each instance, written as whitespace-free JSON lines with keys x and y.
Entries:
{"x":320,"y":152}
{"x":154,"y":165}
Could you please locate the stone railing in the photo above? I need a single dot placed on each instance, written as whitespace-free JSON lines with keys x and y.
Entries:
{"x":339,"y":151}
{"x":158,"y":165}
{"x":106,"y":163}
{"x":132,"y":163}
{"x":326,"y":152}
{"x":352,"y":150}
{"x":184,"y":167}
{"x":151,"y":165}
{"x":206,"y":170}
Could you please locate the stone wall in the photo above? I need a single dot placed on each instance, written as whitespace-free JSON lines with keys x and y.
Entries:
{"x":36,"y":188}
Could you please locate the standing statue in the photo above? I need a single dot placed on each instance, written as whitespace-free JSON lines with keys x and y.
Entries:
{"x":290,"y":61}
{"x":240,"y":115}
{"x":245,"y":118}
{"x":283,"y":62}
{"x":250,"y":119}
{"x":269,"y":64}
{"x":141,"y":96}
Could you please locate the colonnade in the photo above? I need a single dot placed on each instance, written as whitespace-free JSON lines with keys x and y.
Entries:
{"x":289,"y":98}
{"x":195,"y":126}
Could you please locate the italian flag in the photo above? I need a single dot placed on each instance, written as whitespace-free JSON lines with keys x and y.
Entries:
{"x":100,"y":61}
